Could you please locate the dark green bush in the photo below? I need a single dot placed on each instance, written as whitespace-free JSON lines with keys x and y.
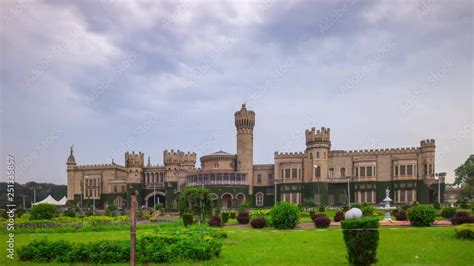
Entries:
{"x":285,"y":215}
{"x":436,"y":205}
{"x":232,"y":215}
{"x":421,"y":215}
{"x":187,"y":219}
{"x":448,"y":212}
{"x":70,"y":212}
{"x":312,"y":213}
{"x":225,"y":217}
{"x":465,"y":231}
{"x":43,"y":212}
{"x":367,"y":210}
{"x":361,"y":237}
{"x":322,"y":208}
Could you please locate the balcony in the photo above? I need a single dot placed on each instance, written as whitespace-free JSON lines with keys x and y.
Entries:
{"x":215,"y":179}
{"x":288,"y":180}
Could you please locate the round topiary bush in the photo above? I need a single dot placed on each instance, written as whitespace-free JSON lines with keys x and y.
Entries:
{"x":285,"y":215}
{"x":225,"y":217}
{"x":243,"y":217}
{"x":187,"y":219}
{"x":339,"y":216}
{"x":215,"y":221}
{"x":316,"y":215}
{"x":401,"y":216}
{"x":421,"y":215}
{"x":322,"y":222}
{"x":448,"y":212}
{"x":465,"y":231}
{"x":258,"y":222}
{"x":462,"y":217}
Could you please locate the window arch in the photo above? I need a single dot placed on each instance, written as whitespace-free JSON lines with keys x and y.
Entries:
{"x":259,"y":199}
{"x":317,"y":155}
{"x":240,"y":198}
{"x":343,"y":172}
{"x":311,"y":156}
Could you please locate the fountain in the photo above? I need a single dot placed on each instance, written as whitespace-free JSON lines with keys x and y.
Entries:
{"x":387,"y":207}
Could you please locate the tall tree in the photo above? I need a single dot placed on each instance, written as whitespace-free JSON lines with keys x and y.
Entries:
{"x":465,"y":177}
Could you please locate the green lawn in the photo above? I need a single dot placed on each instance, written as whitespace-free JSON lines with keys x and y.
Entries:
{"x":247,"y":246}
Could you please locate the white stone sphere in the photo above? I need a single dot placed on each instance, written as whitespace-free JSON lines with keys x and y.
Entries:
{"x":353,"y":213}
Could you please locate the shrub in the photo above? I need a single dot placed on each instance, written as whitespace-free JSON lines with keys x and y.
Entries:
{"x":225,"y":217}
{"x":421,"y":215}
{"x":345,"y":208}
{"x":153,"y":220}
{"x":465,"y":231}
{"x":285,"y":215}
{"x":462,"y":217}
{"x":322,"y":222}
{"x":322,"y":208}
{"x":401,"y":216}
{"x":232,"y":215}
{"x":317,"y":215}
{"x":339,"y":216}
{"x":361,"y":237}
{"x":43,"y":212}
{"x":69,"y":212}
{"x":436,"y":205}
{"x":196,"y":201}
{"x":215,"y":221}
{"x":187,"y":219}
{"x":258,"y":222}
{"x":405,"y":207}
{"x":367,"y":210}
{"x":448,"y":212}
{"x":243,"y":217}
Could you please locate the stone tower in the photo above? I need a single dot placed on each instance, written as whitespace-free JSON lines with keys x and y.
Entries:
{"x":318,"y":146}
{"x":134,"y":164}
{"x":427,"y":158}
{"x":71,"y":165}
{"x":244,"y":123}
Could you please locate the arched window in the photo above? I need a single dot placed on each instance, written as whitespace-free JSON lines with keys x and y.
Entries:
{"x":317,"y":155}
{"x":311,"y":156}
{"x":343,"y":172}
{"x":216,"y":165}
{"x":259,"y":199}
{"x":240,"y":198}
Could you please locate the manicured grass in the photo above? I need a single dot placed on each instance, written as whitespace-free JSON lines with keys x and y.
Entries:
{"x":247,"y":246}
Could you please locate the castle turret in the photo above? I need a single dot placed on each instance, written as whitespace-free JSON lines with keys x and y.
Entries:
{"x":244,"y":123}
{"x":134,"y":164}
{"x":427,"y":164}
{"x":318,"y":146}
{"x":71,"y":165}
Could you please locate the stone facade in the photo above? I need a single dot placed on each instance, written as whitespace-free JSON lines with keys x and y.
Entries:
{"x":318,"y":174}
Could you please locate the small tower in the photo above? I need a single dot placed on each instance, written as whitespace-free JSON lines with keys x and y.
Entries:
{"x":134,"y":164}
{"x":427,"y":148}
{"x":71,"y":165}
{"x":318,"y":146}
{"x":244,"y":123}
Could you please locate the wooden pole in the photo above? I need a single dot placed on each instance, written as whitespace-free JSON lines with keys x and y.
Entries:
{"x":133,"y":225}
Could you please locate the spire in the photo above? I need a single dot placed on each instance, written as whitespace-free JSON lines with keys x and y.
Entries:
{"x":71,"y":159}
{"x":149,"y":164}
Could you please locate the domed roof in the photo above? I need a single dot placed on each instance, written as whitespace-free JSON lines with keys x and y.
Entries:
{"x":217,"y":155}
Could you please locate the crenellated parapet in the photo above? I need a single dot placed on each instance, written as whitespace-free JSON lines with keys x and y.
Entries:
{"x":287,"y":155}
{"x":337,"y":153}
{"x":244,"y":120}
{"x":318,"y":137}
{"x":427,"y":145}
{"x":178,"y":157}
{"x":133,"y":159}
{"x":99,"y":167}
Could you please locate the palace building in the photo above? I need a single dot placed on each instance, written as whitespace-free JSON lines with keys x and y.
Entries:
{"x":318,"y":174}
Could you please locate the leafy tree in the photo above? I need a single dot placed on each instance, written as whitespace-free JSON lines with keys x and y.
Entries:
{"x":308,"y":202}
{"x":465,"y":177}
{"x":195,"y":201}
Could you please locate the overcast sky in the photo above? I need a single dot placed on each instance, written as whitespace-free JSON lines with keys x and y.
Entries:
{"x":114,"y":75}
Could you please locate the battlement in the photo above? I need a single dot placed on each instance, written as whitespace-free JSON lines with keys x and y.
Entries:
{"x":178,"y":157}
{"x":427,"y":143}
{"x":244,"y":118}
{"x":98,"y":166}
{"x":374,"y":151}
{"x":320,"y":135}
{"x":134,"y":159}
{"x":281,"y":155}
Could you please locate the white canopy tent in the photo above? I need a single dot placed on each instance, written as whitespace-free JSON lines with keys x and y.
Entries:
{"x":52,"y":201}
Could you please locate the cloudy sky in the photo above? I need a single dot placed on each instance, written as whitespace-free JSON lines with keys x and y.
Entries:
{"x":115,"y":75}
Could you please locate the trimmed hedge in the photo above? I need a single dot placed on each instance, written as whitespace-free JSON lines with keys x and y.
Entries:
{"x":361,"y":237}
{"x":198,"y":243}
{"x":465,"y":231}
{"x":232,"y":215}
{"x":285,"y":215}
{"x":421,"y":215}
{"x":187,"y":219}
